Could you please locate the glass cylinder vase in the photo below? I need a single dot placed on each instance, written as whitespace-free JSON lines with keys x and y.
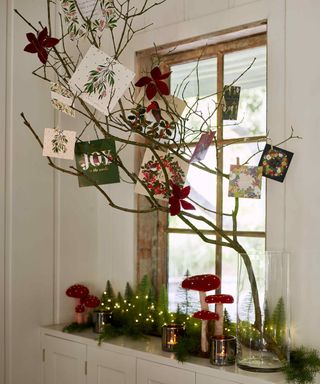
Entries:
{"x":263,"y":311}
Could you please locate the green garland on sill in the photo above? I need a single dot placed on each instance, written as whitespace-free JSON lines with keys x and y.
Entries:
{"x":139,"y":314}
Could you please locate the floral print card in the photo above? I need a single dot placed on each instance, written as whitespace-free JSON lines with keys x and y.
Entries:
{"x":230,"y":102}
{"x":100,"y":80}
{"x":62,"y":99}
{"x":95,"y":160}
{"x":152,"y":175}
{"x":275,"y":162}
{"x":202,"y":146}
{"x":88,"y":16}
{"x":59,"y":143}
{"x":245,"y":181}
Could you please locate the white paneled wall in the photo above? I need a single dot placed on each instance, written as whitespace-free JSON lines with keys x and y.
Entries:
{"x":53,"y":234}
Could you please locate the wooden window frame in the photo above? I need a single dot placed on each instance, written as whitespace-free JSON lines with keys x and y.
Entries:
{"x":152,"y":228}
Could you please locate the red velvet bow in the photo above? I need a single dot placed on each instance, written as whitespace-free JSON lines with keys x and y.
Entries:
{"x":154,"y":83}
{"x":177,"y":199}
{"x":39,"y":44}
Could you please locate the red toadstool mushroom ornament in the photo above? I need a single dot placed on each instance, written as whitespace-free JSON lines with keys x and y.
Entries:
{"x":219,"y":300}
{"x":91,"y":301}
{"x":203,"y":284}
{"x":78,"y":292}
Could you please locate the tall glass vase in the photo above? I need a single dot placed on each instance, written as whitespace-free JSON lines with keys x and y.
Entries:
{"x":263,"y":311}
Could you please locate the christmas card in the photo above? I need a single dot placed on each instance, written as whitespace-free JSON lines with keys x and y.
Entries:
{"x":88,"y":16}
{"x":275,"y":162}
{"x":230,"y":102}
{"x":59,"y":143}
{"x":100,"y":80}
{"x":245,"y":181}
{"x":62,"y":99}
{"x":153,"y":177}
{"x":158,"y":110}
{"x":95,"y":160}
{"x":202,"y":146}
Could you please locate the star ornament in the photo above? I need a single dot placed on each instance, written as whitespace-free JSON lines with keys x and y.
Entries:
{"x":177,"y":199}
{"x":40,"y":44}
{"x":155,"y":83}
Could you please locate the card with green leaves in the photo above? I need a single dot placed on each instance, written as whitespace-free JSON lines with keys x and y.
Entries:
{"x":95,"y":159}
{"x":58,"y":143}
{"x":62,"y":99}
{"x":88,"y":16}
{"x":100,"y":80}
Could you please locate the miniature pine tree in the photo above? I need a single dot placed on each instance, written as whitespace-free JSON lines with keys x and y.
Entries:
{"x":128,"y":293}
{"x":186,"y":303}
{"x":278,"y":320}
{"x":107,"y":298}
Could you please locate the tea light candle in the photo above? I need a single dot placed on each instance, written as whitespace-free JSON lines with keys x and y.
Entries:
{"x":223,"y":350}
{"x":170,"y":336}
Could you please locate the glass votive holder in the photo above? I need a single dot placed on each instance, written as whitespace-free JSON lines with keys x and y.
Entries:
{"x":171,"y":334}
{"x":100,"y":319}
{"x":223,"y":350}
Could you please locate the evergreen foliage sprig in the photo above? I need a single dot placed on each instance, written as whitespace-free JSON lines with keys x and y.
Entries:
{"x":303,"y":366}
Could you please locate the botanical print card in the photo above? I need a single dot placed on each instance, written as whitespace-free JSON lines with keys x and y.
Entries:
{"x":275,"y":162}
{"x":95,"y":160}
{"x":202,"y":146}
{"x":59,"y":143}
{"x":245,"y":181}
{"x":230,"y":102}
{"x":100,"y":80}
{"x":85,"y":17}
{"x":158,"y":110}
{"x":152,"y":175}
{"x":62,"y":99}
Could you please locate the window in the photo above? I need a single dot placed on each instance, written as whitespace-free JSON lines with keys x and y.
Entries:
{"x":219,"y":65}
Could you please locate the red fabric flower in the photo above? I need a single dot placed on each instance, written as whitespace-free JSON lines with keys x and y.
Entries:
{"x":39,"y":44}
{"x":154,"y":83}
{"x":177,"y":199}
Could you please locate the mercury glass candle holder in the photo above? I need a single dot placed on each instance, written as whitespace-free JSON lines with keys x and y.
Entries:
{"x":171,"y":334}
{"x":223,"y":350}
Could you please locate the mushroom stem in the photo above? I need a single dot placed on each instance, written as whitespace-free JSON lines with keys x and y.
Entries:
{"x":204,"y":323}
{"x":218,"y":327}
{"x":204,"y":336}
{"x":203,"y":303}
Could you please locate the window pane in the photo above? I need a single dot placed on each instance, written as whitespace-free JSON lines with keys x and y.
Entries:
{"x":187,"y":253}
{"x":230,"y":265}
{"x":196,"y":83}
{"x":203,"y":191}
{"x":251,"y":216}
{"x":252,"y":107}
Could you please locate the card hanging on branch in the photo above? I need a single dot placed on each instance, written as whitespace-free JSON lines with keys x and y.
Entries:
{"x":275,"y":162}
{"x":245,"y":181}
{"x":100,"y":80}
{"x":58,"y":143}
{"x":230,"y":102}
{"x":158,"y":110}
{"x":95,"y":160}
{"x":152,"y":175}
{"x":62,"y":99}
{"x":98,"y":15}
{"x":202,"y":146}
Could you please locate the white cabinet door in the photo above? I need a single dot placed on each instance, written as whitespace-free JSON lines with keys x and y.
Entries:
{"x":64,"y":361}
{"x":153,"y":373}
{"x":205,"y":379}
{"x":105,"y":367}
